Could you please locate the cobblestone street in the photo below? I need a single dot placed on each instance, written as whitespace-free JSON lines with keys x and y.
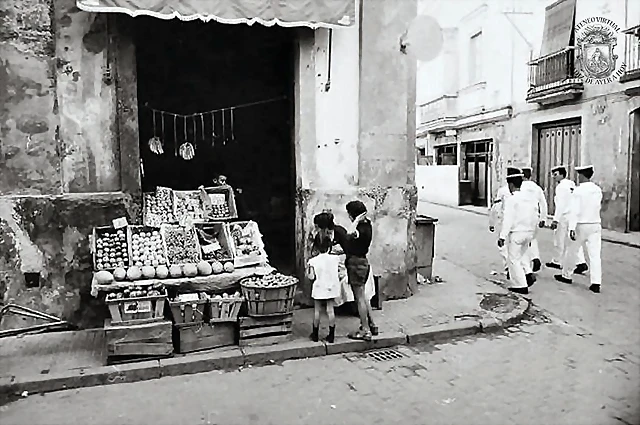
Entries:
{"x":574,"y":360}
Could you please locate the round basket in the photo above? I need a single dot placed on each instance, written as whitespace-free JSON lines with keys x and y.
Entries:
{"x":269,"y":301}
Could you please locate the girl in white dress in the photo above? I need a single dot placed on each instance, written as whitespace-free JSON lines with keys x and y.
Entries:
{"x":322,"y":271}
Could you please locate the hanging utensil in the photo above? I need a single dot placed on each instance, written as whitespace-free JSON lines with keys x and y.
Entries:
{"x":186,"y":149}
{"x":202,"y":126}
{"x":175,"y":134}
{"x":224,"y":130}
{"x":233,"y":133}
{"x":213,"y":128}
{"x":155,"y":145}
{"x":195,"y":134}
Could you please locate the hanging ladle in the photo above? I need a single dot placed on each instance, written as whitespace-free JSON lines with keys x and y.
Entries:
{"x":155,"y":144}
{"x":187,"y":151}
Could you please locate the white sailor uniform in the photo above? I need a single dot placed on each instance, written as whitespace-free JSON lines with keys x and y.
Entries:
{"x":496,"y":218}
{"x":562,"y":199}
{"x":584,"y":219}
{"x":536,"y":191}
{"x":518,"y":228}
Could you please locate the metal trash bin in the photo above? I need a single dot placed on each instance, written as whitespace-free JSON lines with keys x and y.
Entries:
{"x":425,"y":245}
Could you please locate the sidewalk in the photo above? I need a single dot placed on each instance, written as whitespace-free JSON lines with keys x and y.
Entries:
{"x":628,"y":239}
{"x":461,"y":305}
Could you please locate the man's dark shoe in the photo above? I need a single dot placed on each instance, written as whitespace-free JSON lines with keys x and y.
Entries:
{"x":508,"y":276}
{"x":537,"y":265}
{"x":522,"y":291}
{"x":531,"y":279}
{"x":595,"y":289}
{"x":553,"y":265}
{"x":581,"y":268}
{"x":562,"y":279}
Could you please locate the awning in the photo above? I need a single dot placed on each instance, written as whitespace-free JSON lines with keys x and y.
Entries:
{"x":559,"y":22}
{"x":286,"y":13}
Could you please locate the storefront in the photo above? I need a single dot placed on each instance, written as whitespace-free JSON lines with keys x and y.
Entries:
{"x":130,"y":104}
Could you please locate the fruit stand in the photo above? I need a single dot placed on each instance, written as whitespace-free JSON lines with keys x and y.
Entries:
{"x":191,"y":277}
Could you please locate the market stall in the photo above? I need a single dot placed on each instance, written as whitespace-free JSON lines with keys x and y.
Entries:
{"x":190,"y":277}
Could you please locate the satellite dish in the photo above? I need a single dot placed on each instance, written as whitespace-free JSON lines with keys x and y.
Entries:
{"x":424,"y":38}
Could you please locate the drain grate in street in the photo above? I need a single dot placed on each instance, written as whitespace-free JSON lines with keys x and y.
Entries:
{"x":385,"y":355}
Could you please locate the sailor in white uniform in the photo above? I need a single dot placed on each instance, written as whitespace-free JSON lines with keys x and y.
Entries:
{"x":585,"y":228}
{"x":518,"y":228}
{"x":536,"y":191}
{"x":496,"y":216}
{"x":560,"y":224}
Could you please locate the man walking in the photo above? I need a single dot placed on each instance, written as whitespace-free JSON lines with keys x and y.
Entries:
{"x":518,"y":228}
{"x":538,"y":194}
{"x":496,"y":216}
{"x":585,"y":228}
{"x":560,"y":224}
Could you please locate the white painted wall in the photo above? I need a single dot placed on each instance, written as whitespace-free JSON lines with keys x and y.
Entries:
{"x":337,"y":109}
{"x":438,"y":183}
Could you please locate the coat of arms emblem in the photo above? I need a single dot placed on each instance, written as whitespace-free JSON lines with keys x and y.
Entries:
{"x":595,"y":51}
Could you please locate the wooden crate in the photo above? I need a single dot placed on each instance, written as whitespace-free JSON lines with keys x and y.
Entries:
{"x":208,"y":233}
{"x":266,"y":330}
{"x":152,"y":218}
{"x":141,"y":340}
{"x":165,"y":229}
{"x":137,"y":229}
{"x":245,"y":260}
{"x":185,"y":312}
{"x":137,"y":310}
{"x":96,"y":234}
{"x":190,"y":337}
{"x":225,"y":309}
{"x":182,"y":197}
{"x":229,"y":198}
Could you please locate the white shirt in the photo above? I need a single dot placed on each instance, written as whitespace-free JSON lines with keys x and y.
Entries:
{"x":520,"y":214}
{"x":327,"y":282}
{"x":537,"y":192}
{"x":585,"y":205}
{"x":562,"y":199}
{"x":497,"y":209}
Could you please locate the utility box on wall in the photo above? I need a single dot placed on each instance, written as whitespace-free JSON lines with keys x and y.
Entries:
{"x":425,"y":245}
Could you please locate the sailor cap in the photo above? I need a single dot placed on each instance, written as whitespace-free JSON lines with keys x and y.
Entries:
{"x":513,"y":170}
{"x":526,"y":168}
{"x":558,"y":168}
{"x":514,"y":176}
{"x":584,"y":168}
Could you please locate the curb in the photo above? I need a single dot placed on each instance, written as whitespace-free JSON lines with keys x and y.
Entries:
{"x":236,"y":358}
{"x":486,"y":214}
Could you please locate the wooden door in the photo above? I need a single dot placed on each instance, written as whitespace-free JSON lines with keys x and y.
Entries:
{"x":634,"y":189}
{"x":558,"y":144}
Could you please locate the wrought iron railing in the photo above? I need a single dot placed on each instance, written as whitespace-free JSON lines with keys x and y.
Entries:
{"x":554,"y":68}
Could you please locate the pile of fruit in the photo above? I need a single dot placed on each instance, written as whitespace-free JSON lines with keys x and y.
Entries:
{"x":182,"y":244}
{"x":274,"y":280}
{"x":188,"y":205}
{"x":159,"y":207}
{"x":147,"y":248}
{"x":219,"y":207}
{"x":111,"y":249}
{"x":236,"y":295}
{"x":156,"y":290}
{"x":245,"y":239}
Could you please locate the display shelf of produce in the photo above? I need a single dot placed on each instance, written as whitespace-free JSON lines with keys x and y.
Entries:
{"x":212,"y":283}
{"x":158,"y":207}
{"x":146,"y":246}
{"x":181,"y":244}
{"x":248,"y":247}
{"x":110,"y":248}
{"x":188,"y":206}
{"x":222,"y":203}
{"x":215,"y":242}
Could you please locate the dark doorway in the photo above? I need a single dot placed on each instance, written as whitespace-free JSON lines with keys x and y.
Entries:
{"x":634,"y":184}
{"x":189,"y":68}
{"x":475,"y":170}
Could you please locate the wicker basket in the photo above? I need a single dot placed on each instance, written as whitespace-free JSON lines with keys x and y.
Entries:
{"x":269,"y":301}
{"x":225,"y":309}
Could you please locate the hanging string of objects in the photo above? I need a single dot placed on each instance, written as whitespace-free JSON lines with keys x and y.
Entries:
{"x":201,"y":125}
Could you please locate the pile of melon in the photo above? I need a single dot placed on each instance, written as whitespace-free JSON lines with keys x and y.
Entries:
{"x":133,"y":273}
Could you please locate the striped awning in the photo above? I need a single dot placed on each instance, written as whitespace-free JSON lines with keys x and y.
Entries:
{"x":286,"y":13}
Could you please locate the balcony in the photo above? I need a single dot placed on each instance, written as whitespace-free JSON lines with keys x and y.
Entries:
{"x":553,"y":78}
{"x":632,"y":61}
{"x":439,"y":114}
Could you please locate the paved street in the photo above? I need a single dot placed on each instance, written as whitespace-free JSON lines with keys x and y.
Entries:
{"x":575,"y":361}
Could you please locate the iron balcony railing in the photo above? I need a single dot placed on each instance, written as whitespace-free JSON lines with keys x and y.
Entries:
{"x":553,"y":68}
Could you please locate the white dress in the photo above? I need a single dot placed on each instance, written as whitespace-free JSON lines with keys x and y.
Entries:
{"x":327,"y":283}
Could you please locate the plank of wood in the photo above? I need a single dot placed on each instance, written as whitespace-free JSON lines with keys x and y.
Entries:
{"x":248,"y":322}
{"x":284,"y":327}
{"x":140,"y":349}
{"x":136,"y":321}
{"x":156,"y":332}
{"x":265,"y":341}
{"x":205,"y":336}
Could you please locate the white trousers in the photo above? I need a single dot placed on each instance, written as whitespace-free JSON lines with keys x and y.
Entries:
{"x":504,"y":256}
{"x":519,"y":260}
{"x":560,"y":238}
{"x":534,"y":250}
{"x":589,"y":237}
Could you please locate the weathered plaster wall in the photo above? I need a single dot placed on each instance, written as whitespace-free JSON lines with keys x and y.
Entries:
{"x":58,"y":150}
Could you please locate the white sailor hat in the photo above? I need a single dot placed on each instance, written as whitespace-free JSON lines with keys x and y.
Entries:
{"x":514,"y":176}
{"x":584,"y":168}
{"x":558,"y":168}
{"x":526,"y":168}
{"x":513,"y":170}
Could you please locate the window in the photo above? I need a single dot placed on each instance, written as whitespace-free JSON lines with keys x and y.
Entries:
{"x":475,"y":58}
{"x":423,"y":158}
{"x":447,"y":154}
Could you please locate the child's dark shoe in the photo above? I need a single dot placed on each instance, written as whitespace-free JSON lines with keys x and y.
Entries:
{"x":332,"y":334}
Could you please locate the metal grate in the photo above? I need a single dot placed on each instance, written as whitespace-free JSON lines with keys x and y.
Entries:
{"x":384,"y":355}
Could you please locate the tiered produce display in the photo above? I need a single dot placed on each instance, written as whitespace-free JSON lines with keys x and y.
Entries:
{"x":189,"y":255}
